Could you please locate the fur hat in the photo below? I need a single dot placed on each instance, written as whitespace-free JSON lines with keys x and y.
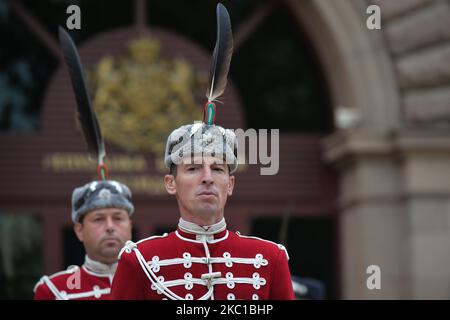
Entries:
{"x":100,"y":194}
{"x":204,"y":140}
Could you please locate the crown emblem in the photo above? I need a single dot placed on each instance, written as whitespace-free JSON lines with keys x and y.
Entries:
{"x":105,"y":194}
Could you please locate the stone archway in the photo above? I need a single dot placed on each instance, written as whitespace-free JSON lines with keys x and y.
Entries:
{"x":394,"y":160}
{"x":356,"y":60}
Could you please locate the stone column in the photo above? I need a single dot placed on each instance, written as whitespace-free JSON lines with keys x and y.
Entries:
{"x":394,"y":212}
{"x":426,"y":178}
{"x":372,"y":215}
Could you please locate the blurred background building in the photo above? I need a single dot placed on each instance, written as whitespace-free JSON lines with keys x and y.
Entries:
{"x":364,"y":119}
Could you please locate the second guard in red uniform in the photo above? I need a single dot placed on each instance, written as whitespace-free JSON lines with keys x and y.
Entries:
{"x":101,"y":209}
{"x":100,"y":212}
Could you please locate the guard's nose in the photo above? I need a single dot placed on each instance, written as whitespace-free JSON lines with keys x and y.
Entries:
{"x":207,"y":175}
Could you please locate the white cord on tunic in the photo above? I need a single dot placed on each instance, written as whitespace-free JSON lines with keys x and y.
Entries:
{"x":159,"y":284}
{"x":58,"y":295}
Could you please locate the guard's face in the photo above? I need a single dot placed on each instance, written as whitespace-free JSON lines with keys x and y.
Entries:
{"x":201,"y":188}
{"x":104,"y":232}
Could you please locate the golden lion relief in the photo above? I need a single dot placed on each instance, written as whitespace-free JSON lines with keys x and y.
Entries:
{"x":141,"y":96}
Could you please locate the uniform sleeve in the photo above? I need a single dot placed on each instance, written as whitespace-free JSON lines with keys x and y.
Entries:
{"x":42,"y":292}
{"x":281,"y":283}
{"x":128,"y":282}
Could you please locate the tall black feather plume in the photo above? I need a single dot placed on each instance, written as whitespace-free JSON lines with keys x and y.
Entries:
{"x":86,"y":114}
{"x":221,"y":56}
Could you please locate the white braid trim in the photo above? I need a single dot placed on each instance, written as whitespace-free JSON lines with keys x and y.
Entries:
{"x":96,"y":292}
{"x":209,"y":279}
{"x":159,"y":284}
{"x":58,"y":295}
{"x":187,"y":261}
{"x":200,"y":241}
{"x":193,"y":228}
{"x":47,"y":280}
{"x":129,"y":245}
{"x":256,"y":281}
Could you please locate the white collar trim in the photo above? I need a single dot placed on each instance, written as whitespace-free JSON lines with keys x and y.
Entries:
{"x":208,"y":239}
{"x":100,"y":269}
{"x":193,"y":228}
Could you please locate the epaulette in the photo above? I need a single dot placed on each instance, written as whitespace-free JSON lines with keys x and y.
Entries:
{"x":280,"y":246}
{"x":70,"y":270}
{"x":130,"y":245}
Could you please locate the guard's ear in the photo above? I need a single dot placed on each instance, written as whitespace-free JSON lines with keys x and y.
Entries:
{"x":231,"y":185}
{"x":170,"y":184}
{"x":78,"y":227}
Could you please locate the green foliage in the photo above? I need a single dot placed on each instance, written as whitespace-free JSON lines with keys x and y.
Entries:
{"x":20,"y":255}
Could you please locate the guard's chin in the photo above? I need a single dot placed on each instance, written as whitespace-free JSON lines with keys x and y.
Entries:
{"x":111,"y":251}
{"x":207,"y":209}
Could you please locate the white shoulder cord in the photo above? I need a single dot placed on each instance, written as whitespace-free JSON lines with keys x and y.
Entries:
{"x":53,"y":289}
{"x":158,"y":284}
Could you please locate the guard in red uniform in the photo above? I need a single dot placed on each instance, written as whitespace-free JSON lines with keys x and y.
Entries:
{"x":203,"y":262}
{"x":202,"y":259}
{"x":101,"y":214}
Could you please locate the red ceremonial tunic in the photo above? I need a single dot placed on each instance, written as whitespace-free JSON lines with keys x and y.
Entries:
{"x":183,"y":265}
{"x":91,"y":281}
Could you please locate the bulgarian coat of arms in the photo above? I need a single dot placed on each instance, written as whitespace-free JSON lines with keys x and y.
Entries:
{"x":141,"y":96}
